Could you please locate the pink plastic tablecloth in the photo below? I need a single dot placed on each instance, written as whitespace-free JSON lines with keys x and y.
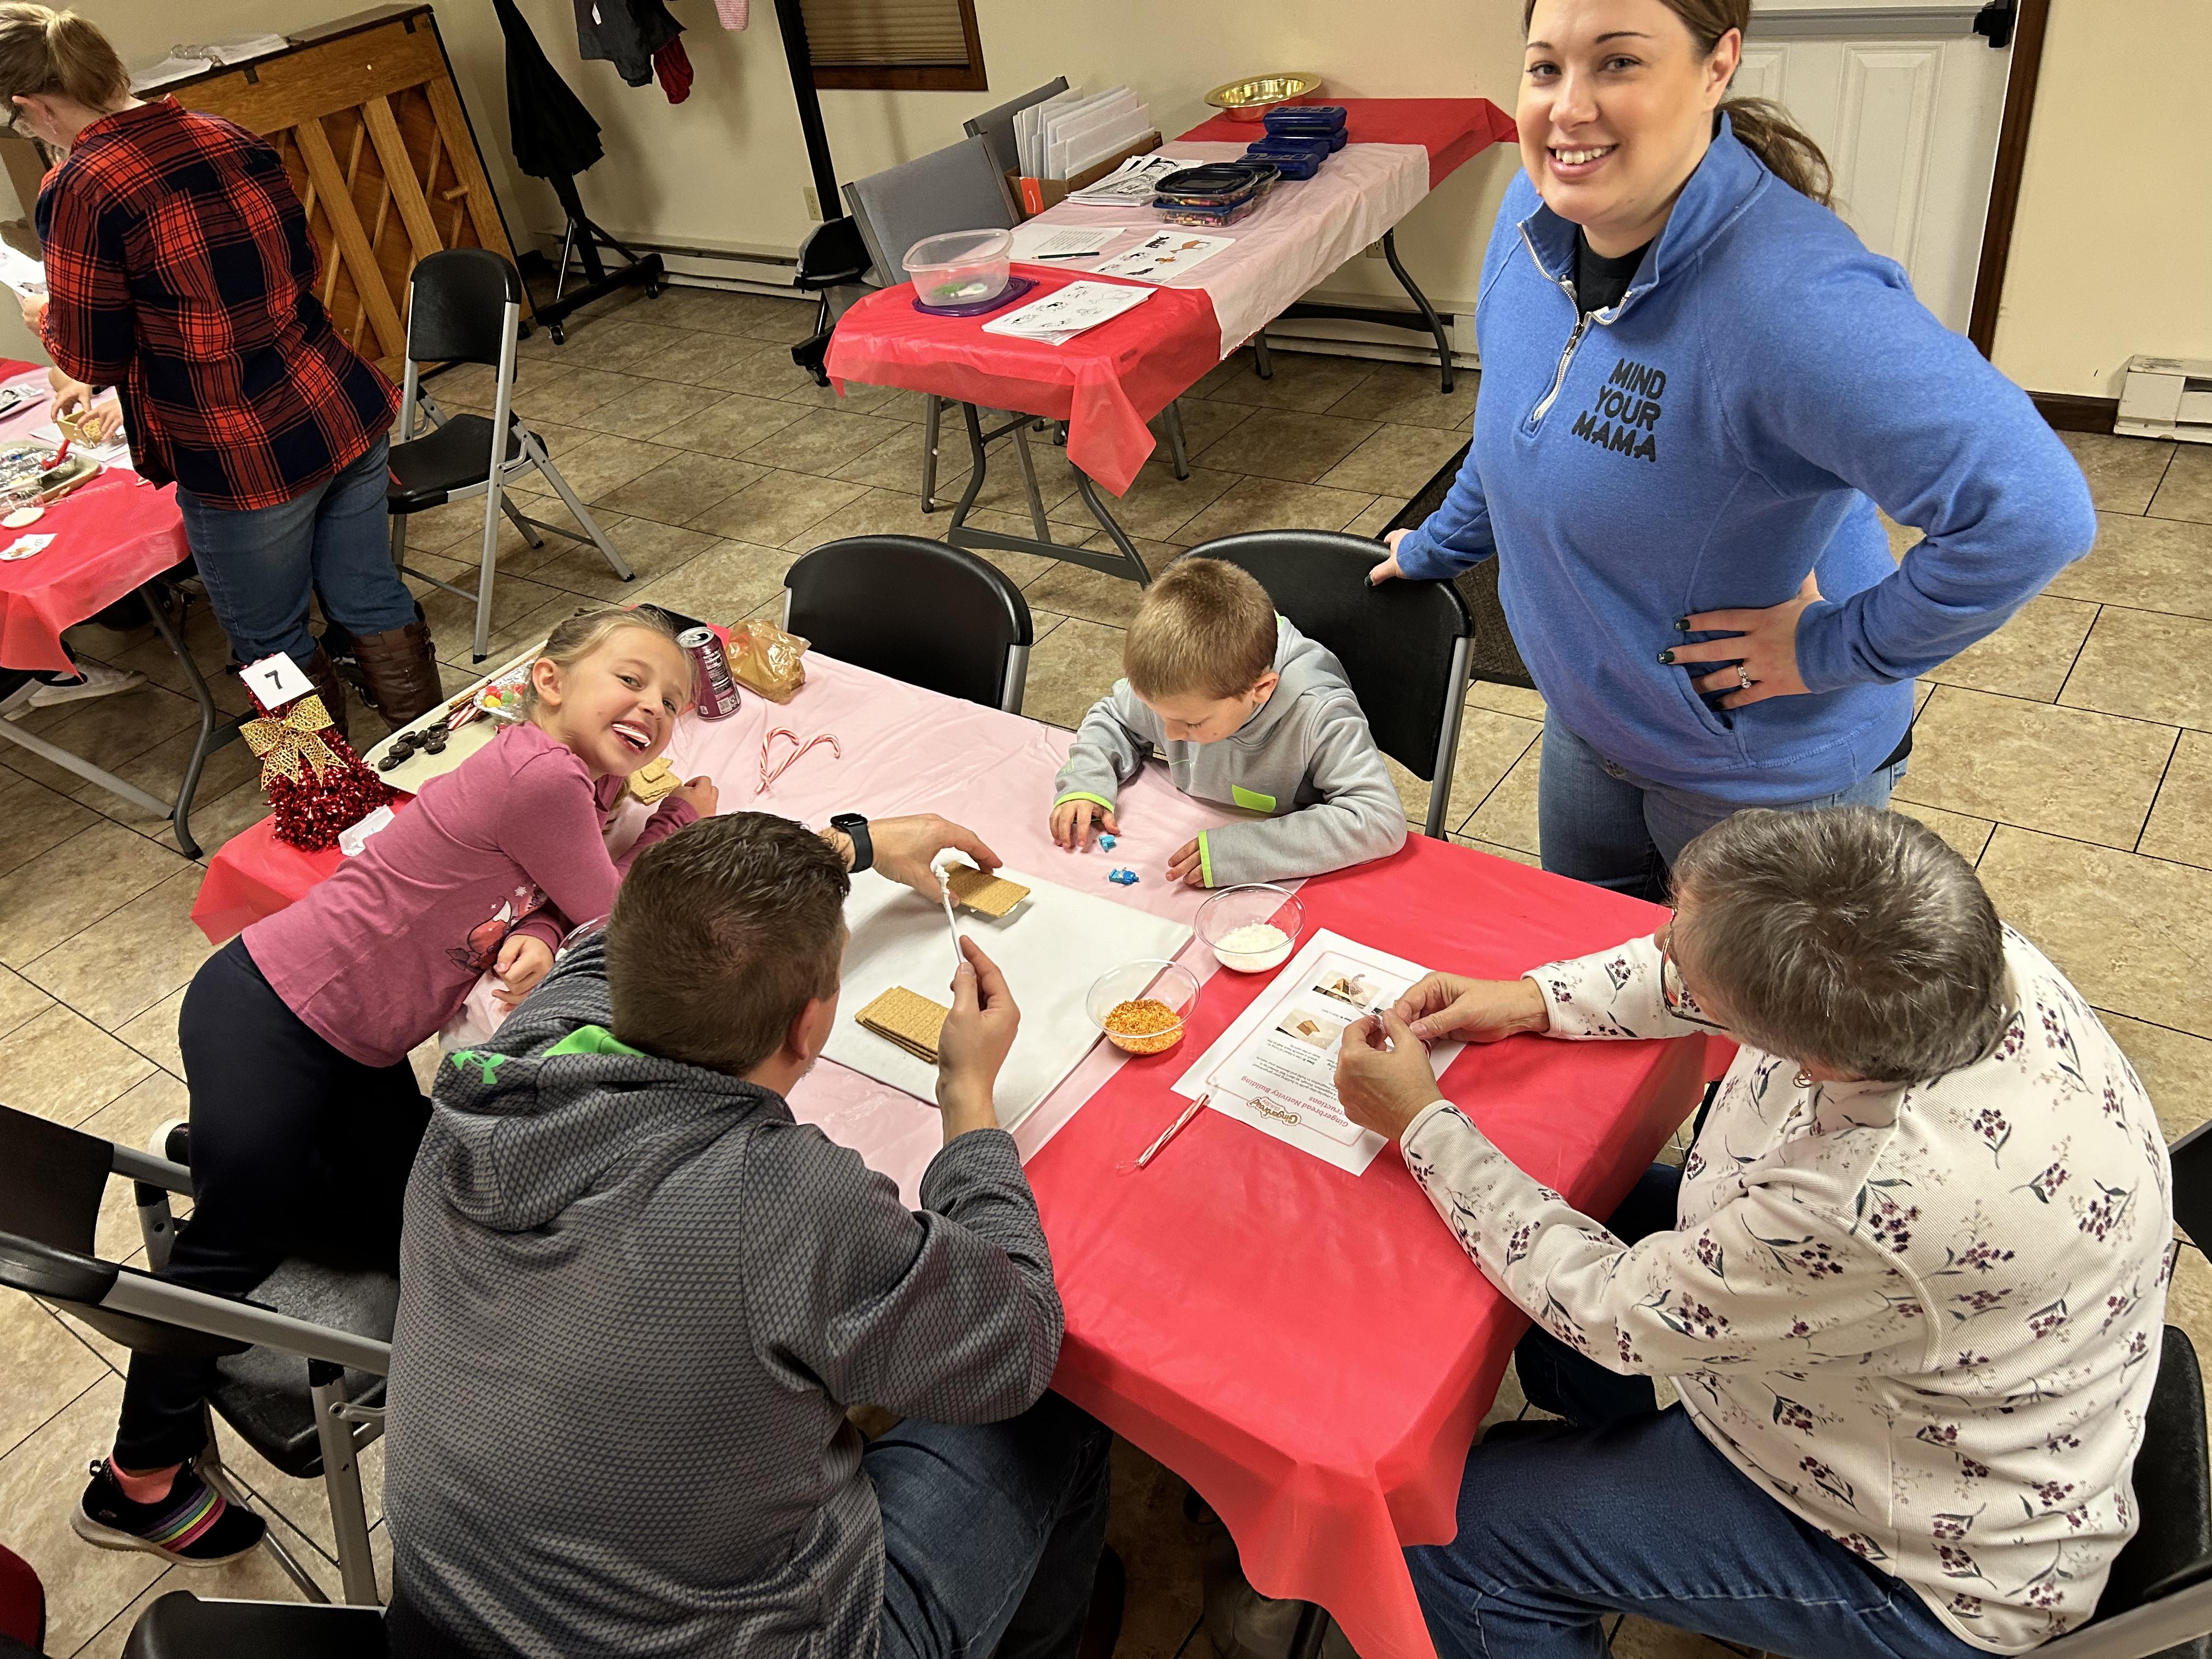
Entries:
{"x":109,"y":537}
{"x":1304,"y":230}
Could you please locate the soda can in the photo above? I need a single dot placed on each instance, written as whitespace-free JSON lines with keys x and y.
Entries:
{"x":718,"y":690}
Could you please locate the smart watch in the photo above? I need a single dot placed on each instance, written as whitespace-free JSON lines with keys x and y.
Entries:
{"x":855,"y":828}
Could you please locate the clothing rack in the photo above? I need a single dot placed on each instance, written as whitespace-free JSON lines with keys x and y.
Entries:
{"x":584,"y":239}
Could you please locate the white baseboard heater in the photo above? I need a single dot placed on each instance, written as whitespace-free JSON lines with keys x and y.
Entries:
{"x":2167,"y":397}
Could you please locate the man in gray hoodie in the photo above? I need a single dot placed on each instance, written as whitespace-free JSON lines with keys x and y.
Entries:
{"x":638,"y":1298}
{"x":1247,"y":713}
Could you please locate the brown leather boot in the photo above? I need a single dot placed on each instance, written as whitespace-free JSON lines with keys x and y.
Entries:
{"x":401,"y":671}
{"x":324,"y":673}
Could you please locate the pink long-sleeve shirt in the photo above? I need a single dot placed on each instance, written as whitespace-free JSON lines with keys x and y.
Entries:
{"x":379,"y":956}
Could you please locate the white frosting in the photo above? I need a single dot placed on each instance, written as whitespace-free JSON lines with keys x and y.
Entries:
{"x":1253,"y":948}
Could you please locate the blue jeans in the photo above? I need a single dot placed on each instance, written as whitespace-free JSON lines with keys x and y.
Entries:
{"x":991,"y":1532}
{"x":261,"y":564}
{"x":1624,"y":1509}
{"x":1600,"y":823}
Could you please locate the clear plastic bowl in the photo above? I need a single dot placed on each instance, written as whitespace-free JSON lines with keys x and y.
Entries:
{"x":1259,"y":904}
{"x":960,"y":268}
{"x":1167,"y":982}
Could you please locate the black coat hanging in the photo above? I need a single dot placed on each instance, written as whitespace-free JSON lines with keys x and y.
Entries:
{"x":552,"y":134}
{"x":554,"y":138}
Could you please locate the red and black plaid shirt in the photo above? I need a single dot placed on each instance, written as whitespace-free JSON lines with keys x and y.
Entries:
{"x":179,"y":272}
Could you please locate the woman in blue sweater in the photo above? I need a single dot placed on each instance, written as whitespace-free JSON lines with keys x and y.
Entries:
{"x":1697,"y":386}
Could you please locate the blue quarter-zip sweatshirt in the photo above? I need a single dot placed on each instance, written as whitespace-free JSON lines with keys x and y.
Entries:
{"x":1725,"y":429}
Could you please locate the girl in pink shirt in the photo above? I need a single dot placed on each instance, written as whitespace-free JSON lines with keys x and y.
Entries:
{"x":304,"y":1111}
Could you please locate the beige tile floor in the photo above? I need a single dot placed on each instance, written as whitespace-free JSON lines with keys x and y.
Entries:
{"x":2070,"y":755}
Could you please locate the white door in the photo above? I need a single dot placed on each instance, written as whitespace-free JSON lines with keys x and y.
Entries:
{"x":1906,"y":101}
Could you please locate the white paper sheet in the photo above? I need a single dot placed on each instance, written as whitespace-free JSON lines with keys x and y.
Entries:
{"x":1058,"y":242}
{"x":1275,"y":1068}
{"x":1062,"y":315}
{"x":1051,"y":947}
{"x":1165,"y":256}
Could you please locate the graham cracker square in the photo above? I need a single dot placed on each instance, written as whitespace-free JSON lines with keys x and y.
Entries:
{"x":908,"y":1018}
{"x":993,"y":896}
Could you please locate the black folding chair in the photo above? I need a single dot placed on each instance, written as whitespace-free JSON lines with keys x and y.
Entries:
{"x":465,"y":305}
{"x":918,"y":610}
{"x":179,"y":1626}
{"x":301,"y":1364}
{"x":1404,"y":645}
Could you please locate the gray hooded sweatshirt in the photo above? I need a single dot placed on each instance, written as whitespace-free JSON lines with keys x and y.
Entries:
{"x":1306,"y":759}
{"x":636,"y":1299}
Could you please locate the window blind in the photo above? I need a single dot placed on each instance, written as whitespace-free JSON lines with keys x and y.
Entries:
{"x":885,"y":32}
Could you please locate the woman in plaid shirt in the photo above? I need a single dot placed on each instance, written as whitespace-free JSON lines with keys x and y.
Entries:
{"x":179,"y":272}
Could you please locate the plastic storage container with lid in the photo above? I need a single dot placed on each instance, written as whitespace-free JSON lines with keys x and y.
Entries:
{"x":960,"y":267}
{"x":1217,"y":193}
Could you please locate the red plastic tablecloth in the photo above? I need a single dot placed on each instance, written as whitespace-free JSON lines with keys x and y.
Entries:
{"x":1105,"y":384}
{"x":1310,"y":1349}
{"x":1450,"y":129}
{"x":254,"y":875}
{"x":109,"y":537}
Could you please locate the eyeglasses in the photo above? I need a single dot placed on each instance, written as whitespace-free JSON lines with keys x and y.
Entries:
{"x":1676,"y":996}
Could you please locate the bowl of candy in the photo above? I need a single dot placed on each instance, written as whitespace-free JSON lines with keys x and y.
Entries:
{"x":959,"y":268}
{"x":1142,"y":1006}
{"x":1253,"y":928}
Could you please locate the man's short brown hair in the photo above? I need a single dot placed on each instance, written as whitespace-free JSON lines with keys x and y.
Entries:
{"x":1205,"y":629}
{"x":721,"y":935}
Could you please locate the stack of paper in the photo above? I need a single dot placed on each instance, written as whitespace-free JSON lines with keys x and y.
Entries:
{"x":20,"y":273}
{"x":1063,"y":136}
{"x":1059,"y":317}
{"x":1131,"y":185}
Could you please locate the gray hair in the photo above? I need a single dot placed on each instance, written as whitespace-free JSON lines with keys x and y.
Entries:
{"x":1851,"y":937}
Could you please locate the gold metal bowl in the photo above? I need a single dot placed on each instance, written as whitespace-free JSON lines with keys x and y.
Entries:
{"x":1250,"y":99}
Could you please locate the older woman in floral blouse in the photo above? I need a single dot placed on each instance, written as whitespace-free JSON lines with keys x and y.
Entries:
{"x":1908,"y":1282}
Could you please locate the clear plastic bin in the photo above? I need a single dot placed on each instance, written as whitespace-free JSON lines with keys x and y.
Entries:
{"x":960,"y":268}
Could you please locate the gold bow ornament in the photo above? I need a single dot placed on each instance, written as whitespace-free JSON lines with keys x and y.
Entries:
{"x":282,"y":744}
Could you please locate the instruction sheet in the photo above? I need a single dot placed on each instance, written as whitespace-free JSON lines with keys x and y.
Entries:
{"x":1275,"y":1067}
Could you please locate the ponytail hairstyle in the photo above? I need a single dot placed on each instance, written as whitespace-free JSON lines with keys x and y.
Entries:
{"x":58,"y":54}
{"x":572,"y":641}
{"x":1761,"y":125}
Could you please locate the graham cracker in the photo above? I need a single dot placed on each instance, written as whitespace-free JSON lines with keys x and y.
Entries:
{"x":908,"y":1018}
{"x":993,"y":896}
{"x":655,"y":780}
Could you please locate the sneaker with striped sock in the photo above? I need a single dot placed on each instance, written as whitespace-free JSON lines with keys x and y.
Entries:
{"x":195,"y":1526}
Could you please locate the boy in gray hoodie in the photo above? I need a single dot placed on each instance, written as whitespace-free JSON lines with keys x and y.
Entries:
{"x":1247,"y":712}
{"x":637,"y":1299}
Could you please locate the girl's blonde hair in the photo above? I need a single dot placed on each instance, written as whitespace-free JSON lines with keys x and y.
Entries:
{"x":587,"y":630}
{"x":1761,"y":125}
{"x":58,"y":54}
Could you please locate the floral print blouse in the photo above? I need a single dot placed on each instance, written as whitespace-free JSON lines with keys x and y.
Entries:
{"x":1925,"y":1318}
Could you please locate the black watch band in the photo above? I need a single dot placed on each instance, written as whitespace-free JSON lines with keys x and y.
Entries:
{"x":855,"y":828}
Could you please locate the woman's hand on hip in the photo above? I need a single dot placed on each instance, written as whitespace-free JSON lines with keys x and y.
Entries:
{"x":1389,"y":570}
{"x":1764,"y":642}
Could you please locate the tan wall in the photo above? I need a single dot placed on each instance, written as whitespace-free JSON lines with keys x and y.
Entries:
{"x":2111,"y":252}
{"x":725,"y":170}
{"x":2110,"y":256}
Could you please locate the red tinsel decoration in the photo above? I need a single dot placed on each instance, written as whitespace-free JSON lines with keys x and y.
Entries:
{"x":311,"y":809}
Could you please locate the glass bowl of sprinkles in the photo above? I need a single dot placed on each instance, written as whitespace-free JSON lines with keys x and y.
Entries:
{"x":1142,"y":1006}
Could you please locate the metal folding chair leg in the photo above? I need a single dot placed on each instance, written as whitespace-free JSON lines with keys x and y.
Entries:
{"x":342,"y":1481}
{"x":577,"y":510}
{"x":488,"y":567}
